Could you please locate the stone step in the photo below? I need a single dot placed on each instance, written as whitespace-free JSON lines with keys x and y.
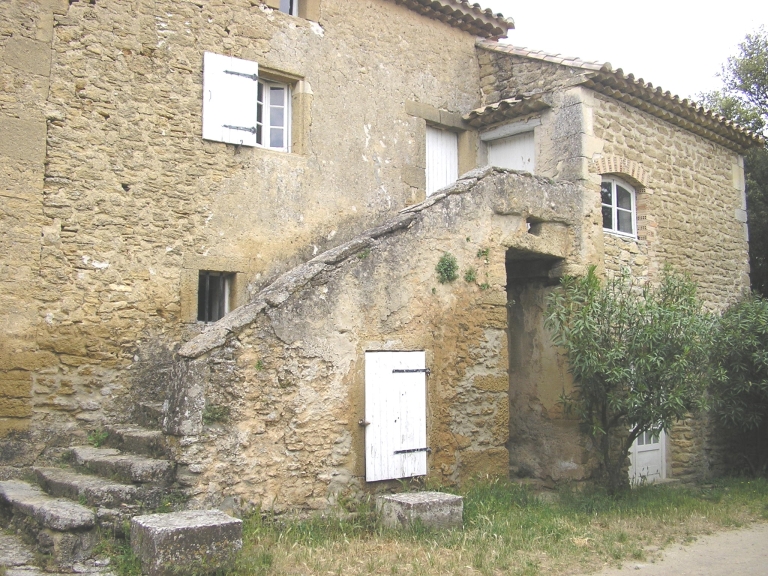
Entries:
{"x":137,"y":440}
{"x":87,"y":489}
{"x":112,"y":463}
{"x":149,"y":415}
{"x":63,"y":529}
{"x":188,"y":542}
{"x":54,"y":513}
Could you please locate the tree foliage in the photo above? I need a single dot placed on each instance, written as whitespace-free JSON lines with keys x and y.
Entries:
{"x":744,"y":99}
{"x":638,"y":355}
{"x":740,"y":383}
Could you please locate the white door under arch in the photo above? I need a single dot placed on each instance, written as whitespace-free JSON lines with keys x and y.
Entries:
{"x":648,"y":458}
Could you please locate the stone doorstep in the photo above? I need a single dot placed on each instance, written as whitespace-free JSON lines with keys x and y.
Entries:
{"x":136,"y":440}
{"x":430,"y":509}
{"x":112,"y":463}
{"x":183,"y":542}
{"x":55,"y":513}
{"x":94,"y":490}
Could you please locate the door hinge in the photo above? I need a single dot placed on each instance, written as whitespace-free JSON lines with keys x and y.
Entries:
{"x":242,"y":128}
{"x":411,"y":450}
{"x":427,"y":371}
{"x":254,"y":77}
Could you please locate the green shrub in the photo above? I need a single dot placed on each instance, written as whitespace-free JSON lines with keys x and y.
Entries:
{"x":447,"y":268}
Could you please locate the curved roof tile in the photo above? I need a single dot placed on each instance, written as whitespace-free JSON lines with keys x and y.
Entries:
{"x":643,"y":95}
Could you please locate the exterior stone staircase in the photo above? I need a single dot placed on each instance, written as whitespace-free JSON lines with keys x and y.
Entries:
{"x":65,"y":510}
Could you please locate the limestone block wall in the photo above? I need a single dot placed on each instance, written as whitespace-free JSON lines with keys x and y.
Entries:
{"x":693,"y":202}
{"x":26,"y":34}
{"x":504,"y":75}
{"x":113,"y":202}
{"x":290,"y":364}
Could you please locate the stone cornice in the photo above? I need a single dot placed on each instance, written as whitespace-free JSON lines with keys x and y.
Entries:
{"x":471,"y":18}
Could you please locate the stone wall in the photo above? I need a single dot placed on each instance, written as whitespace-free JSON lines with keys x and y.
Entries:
{"x":290,"y":364}
{"x":26,"y":34}
{"x":504,"y":75}
{"x":692,"y":204}
{"x":113,"y":202}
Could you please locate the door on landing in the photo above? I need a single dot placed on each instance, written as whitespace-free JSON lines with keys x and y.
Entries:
{"x":515,"y":152}
{"x":442,"y":158}
{"x":648,"y":458}
{"x":396,"y":413}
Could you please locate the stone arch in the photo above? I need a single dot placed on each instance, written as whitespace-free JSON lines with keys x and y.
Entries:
{"x":633,"y":171}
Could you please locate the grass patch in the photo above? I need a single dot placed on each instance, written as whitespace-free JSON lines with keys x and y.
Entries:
{"x":507,"y":529}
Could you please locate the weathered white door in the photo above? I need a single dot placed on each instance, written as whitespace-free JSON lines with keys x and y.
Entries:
{"x":515,"y":152}
{"x":396,"y":412}
{"x":442,"y":158}
{"x":648,"y":458}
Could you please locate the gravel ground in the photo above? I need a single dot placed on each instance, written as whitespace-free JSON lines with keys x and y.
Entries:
{"x":737,"y":552}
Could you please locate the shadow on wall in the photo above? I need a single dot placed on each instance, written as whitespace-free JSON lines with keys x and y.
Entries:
{"x":544,"y":444}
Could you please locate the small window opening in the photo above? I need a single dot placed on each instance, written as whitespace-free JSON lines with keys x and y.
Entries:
{"x":534,"y":226}
{"x":213,"y":295}
{"x":290,"y":7}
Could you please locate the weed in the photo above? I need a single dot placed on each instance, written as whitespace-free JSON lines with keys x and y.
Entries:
{"x":483,"y":253}
{"x":123,"y":561}
{"x":470,"y":275}
{"x":214,"y":413}
{"x":447,"y":268}
{"x":363,"y":254}
{"x":170,"y":502}
{"x":97,"y":438}
{"x":434,"y":290}
{"x":485,"y":286}
{"x":259,"y":366}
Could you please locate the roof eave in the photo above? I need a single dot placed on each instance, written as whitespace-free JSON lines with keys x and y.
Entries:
{"x":461,"y":14}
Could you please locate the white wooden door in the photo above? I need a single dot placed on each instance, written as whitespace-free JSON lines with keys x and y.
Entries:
{"x":648,"y":458}
{"x":396,"y":410}
{"x":442,"y":158}
{"x":515,"y":152}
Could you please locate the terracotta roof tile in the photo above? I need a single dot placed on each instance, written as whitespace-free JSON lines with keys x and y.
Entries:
{"x":462,"y":14}
{"x":643,"y":95}
{"x":505,"y":110}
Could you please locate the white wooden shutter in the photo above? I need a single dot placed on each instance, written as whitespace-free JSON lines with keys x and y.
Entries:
{"x":396,"y":408}
{"x":515,"y":152}
{"x":230,"y":92}
{"x":442,"y":158}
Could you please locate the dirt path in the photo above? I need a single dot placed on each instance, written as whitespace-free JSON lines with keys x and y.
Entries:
{"x":738,"y":552}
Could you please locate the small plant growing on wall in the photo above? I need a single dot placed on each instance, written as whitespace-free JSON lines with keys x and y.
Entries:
{"x":214,"y":413}
{"x":447,"y":269}
{"x":470,"y":275}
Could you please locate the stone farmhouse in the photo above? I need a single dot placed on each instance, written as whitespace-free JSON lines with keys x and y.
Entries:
{"x":222,"y":222}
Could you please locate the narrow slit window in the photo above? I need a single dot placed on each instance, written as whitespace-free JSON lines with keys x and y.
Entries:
{"x":213,"y":295}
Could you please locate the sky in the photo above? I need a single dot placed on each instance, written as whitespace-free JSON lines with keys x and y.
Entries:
{"x":679,"y":45}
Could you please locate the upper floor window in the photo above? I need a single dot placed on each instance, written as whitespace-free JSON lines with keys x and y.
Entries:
{"x":240,"y":107}
{"x":619,"y":206}
{"x":290,"y":7}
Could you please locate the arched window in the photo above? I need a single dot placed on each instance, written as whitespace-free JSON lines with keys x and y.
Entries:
{"x":619,"y":206}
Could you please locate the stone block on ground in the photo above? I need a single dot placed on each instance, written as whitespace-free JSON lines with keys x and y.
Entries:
{"x":185,"y":542}
{"x":430,"y":509}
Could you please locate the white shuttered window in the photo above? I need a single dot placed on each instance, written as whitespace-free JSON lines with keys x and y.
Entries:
{"x":515,"y":152}
{"x":396,"y":410}
{"x":241,"y":108}
{"x":442,"y":158}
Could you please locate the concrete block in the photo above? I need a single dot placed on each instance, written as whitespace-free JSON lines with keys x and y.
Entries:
{"x":431,"y":509}
{"x":185,"y":542}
